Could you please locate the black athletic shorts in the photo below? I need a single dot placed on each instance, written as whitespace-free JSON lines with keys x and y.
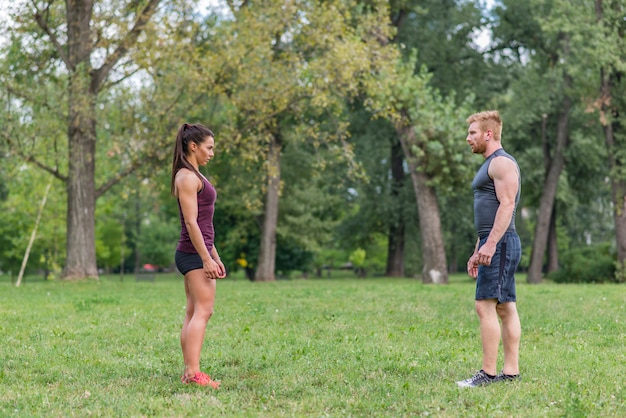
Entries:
{"x":185,"y":262}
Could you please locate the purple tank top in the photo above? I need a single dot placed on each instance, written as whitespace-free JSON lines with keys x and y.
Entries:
{"x":206,"y":207}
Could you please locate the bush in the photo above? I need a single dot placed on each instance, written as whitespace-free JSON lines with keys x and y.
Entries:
{"x":590,"y":264}
{"x":291,"y":256}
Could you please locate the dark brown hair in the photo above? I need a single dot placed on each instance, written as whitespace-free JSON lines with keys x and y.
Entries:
{"x":187,"y":133}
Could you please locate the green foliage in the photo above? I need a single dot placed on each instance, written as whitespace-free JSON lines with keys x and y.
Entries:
{"x":370,"y":260}
{"x":459,"y":233}
{"x":290,"y":256}
{"x":591,"y":264}
{"x":357,"y":258}
{"x":298,"y":68}
{"x":25,"y":190}
{"x":287,"y":71}
{"x":438,"y":121}
{"x":314,"y":180}
{"x":349,"y":347}
{"x":283,"y":62}
{"x":330,"y":258}
{"x":307,"y":215}
{"x":157,"y":241}
{"x":376,"y":255}
{"x":66,"y":87}
{"x":110,"y":243}
{"x":443,"y":33}
{"x":620,"y":272}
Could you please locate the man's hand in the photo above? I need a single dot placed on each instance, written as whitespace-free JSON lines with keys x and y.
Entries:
{"x":472,"y":266}
{"x":485,"y":254}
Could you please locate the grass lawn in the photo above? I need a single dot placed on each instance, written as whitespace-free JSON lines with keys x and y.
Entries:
{"x":305,"y":348}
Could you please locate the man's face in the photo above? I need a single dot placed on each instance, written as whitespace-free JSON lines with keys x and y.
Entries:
{"x":476,"y":138}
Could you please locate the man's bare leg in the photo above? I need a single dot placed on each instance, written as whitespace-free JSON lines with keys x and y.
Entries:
{"x":511,"y":335}
{"x":489,"y":333}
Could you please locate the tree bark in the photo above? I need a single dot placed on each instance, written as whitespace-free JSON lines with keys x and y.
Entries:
{"x":620,"y":235}
{"x":611,"y":125}
{"x":84,"y":86}
{"x":618,"y":192}
{"x":265,"y":270}
{"x":553,"y":251}
{"x":609,"y":118}
{"x":395,"y":246}
{"x":81,"y":202}
{"x":81,"y":132}
{"x":433,"y":251}
{"x":548,"y":194}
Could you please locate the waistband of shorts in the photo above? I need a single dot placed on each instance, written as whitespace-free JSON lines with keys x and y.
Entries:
{"x":184,"y":252}
{"x":508,"y":233}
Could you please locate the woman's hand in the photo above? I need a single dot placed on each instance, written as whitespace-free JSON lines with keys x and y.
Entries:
{"x":222,"y":269}
{"x":211,"y":269}
{"x":214,"y":269}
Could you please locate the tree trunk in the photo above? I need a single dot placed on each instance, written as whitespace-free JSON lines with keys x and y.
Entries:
{"x":395,"y":246}
{"x":619,"y":215}
{"x":611,"y":125}
{"x":553,"y":251}
{"x":84,"y":85}
{"x":433,"y":250}
{"x":137,"y":234}
{"x":609,"y":117}
{"x":81,"y":202}
{"x":618,"y":192}
{"x":267,"y":250}
{"x":548,"y":194}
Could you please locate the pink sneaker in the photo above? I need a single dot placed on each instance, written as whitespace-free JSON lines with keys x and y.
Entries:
{"x":201,"y":379}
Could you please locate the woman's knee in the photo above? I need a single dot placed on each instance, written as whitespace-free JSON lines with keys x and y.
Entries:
{"x":204,"y":312}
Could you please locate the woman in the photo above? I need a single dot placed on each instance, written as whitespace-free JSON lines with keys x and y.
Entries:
{"x":196,"y":256}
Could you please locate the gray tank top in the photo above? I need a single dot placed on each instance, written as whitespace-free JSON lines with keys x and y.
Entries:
{"x":485,"y":200}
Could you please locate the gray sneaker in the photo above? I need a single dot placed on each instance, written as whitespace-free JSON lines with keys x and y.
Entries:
{"x":501,"y":377}
{"x":479,"y":379}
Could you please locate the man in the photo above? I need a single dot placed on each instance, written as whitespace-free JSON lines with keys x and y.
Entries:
{"x":497,"y":252}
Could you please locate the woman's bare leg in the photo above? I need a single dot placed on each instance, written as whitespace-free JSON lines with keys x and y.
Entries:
{"x":200,"y":293}
{"x":188,"y":316}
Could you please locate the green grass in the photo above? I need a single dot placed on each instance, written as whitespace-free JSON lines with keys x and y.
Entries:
{"x":305,"y":348}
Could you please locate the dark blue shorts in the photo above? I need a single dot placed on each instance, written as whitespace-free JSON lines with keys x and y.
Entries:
{"x":185,"y":262}
{"x":497,"y":281}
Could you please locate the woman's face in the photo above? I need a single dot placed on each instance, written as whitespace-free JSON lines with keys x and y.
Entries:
{"x":205,"y":151}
